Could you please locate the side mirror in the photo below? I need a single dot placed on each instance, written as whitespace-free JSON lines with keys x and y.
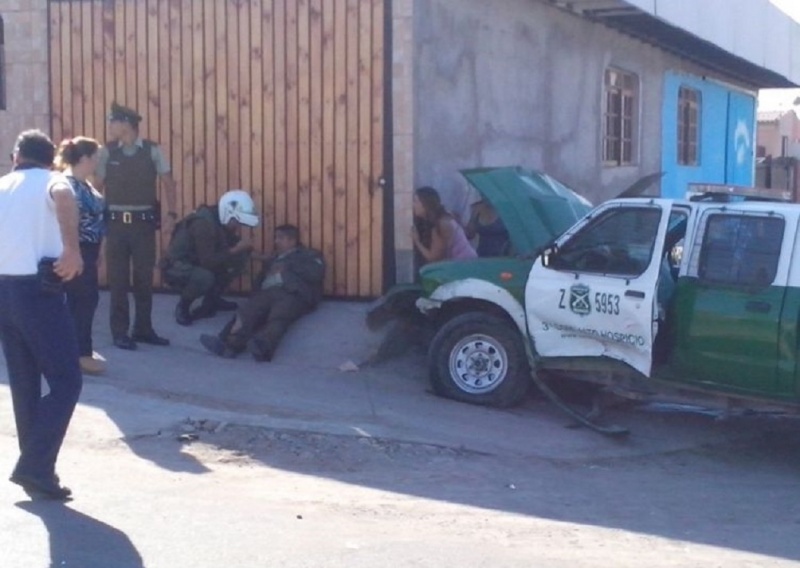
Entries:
{"x":548,"y":255}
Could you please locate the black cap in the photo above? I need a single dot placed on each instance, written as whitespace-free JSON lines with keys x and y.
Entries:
{"x":124,"y":114}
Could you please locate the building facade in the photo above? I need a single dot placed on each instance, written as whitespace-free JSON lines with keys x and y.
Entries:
{"x":332,"y":111}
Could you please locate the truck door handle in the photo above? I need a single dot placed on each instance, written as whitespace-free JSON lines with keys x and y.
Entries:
{"x":634,"y":294}
{"x":760,"y":307}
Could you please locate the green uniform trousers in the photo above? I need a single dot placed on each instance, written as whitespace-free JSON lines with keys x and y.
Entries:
{"x":131,"y":245}
{"x":194,"y":281}
{"x":267,"y":315}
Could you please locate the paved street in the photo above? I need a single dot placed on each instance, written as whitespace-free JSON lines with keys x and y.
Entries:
{"x":179,"y":459}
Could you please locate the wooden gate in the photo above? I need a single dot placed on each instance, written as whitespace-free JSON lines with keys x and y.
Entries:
{"x":281,"y":97}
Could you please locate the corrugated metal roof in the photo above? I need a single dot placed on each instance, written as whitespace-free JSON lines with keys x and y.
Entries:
{"x":631,"y":20}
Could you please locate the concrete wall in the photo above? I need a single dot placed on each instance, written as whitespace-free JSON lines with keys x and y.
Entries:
{"x":27,"y":75}
{"x":521,"y":82}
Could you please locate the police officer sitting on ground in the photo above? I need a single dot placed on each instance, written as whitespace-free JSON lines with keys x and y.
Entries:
{"x":207,"y":252}
{"x":128,"y":171}
{"x":289,"y":286}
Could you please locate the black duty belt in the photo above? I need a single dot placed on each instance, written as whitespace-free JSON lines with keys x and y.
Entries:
{"x":130,"y":217}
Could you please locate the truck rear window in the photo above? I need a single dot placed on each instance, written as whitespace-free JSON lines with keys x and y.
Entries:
{"x":741,"y":250}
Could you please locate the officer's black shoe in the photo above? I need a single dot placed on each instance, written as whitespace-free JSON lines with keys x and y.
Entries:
{"x":224,"y":305}
{"x":215,"y":345}
{"x":182,"y":314}
{"x":204,"y":310}
{"x":259,"y":349}
{"x":151,"y":338}
{"x":125,"y":342}
{"x":41,"y":488}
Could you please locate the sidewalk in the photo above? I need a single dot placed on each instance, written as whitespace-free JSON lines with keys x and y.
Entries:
{"x":303,"y":389}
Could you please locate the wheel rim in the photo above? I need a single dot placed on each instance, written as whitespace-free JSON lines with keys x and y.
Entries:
{"x":478,"y":364}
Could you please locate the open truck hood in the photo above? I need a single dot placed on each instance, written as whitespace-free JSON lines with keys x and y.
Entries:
{"x":535,"y":207}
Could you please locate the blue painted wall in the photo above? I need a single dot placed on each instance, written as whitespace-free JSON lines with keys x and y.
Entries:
{"x":727,"y":129}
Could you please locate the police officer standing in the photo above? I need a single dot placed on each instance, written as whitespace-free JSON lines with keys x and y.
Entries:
{"x":40,"y":250}
{"x":129,"y":169}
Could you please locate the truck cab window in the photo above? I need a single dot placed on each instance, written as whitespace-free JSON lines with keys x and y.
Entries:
{"x":741,"y":250}
{"x":619,"y":241}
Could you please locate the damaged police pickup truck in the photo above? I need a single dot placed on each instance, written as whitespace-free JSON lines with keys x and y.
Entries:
{"x":648,"y":297}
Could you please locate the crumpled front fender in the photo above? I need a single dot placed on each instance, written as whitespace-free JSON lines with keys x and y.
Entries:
{"x":475,"y":289}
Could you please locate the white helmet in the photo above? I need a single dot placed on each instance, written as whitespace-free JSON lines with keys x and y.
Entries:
{"x":237,"y":204}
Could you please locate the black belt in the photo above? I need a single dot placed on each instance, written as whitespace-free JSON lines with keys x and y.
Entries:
{"x":15,"y":277}
{"x":130,"y":217}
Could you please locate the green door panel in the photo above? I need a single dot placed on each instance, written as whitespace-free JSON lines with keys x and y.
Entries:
{"x":729,"y":337}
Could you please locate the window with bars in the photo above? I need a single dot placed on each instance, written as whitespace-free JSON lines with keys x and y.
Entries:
{"x":688,"y":126}
{"x":620,"y":117}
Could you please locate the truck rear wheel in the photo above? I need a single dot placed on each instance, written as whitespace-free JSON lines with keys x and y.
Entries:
{"x":479,"y":358}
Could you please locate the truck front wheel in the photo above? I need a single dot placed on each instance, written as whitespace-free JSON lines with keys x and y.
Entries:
{"x":479,"y":358}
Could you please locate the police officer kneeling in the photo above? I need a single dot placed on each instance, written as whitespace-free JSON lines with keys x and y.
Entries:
{"x":207,"y":252}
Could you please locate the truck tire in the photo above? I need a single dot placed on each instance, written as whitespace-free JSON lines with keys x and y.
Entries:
{"x":480,"y":359}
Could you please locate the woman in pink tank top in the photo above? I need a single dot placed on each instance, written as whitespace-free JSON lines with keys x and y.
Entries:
{"x":436,"y":233}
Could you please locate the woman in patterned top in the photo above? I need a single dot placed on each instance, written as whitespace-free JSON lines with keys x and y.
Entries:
{"x":78,"y":159}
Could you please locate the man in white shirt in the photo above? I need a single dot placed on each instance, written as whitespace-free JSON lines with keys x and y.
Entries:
{"x":40,"y":250}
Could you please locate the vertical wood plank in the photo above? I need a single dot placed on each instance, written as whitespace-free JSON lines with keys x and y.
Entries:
{"x":68,"y":118}
{"x":126,"y":70}
{"x":99,"y":78}
{"x":269,"y":105}
{"x":140,"y":69}
{"x":303,"y":189}
{"x":281,"y":88}
{"x":329,"y":142}
{"x":292,"y":93}
{"x":353,"y":187}
{"x":165,"y":138}
{"x":340,"y":160}
{"x":210,"y":88}
{"x":186,"y":199}
{"x":87,"y":76}
{"x":365,"y":174}
{"x":200,"y":192}
{"x":151,"y":64}
{"x":316,"y":124}
{"x":76,"y":69}
{"x":222,"y":138}
{"x":245,"y":63}
{"x":378,"y":142}
{"x":256,"y":126}
{"x":174,"y":84}
{"x":234,"y":179}
{"x":118,"y":37}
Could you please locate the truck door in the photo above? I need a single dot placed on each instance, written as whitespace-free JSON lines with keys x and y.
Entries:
{"x":728,"y":306}
{"x":594,"y":293}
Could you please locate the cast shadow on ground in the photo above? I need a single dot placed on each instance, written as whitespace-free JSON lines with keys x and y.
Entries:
{"x":725,"y":496}
{"x":77,"y":539}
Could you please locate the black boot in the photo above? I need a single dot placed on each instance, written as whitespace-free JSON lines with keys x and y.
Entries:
{"x":206,"y":309}
{"x":182,"y":314}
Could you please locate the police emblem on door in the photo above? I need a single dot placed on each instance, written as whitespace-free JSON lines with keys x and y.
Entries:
{"x":579,"y":301}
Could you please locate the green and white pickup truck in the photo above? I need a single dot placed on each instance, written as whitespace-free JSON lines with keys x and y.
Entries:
{"x":645,"y":296}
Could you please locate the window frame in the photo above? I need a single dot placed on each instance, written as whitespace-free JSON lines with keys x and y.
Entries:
{"x":620,"y":138}
{"x":602,"y":217}
{"x":705,"y":250}
{"x":690,"y":114}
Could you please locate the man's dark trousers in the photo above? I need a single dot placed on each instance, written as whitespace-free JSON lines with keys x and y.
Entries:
{"x":38,"y":338}
{"x":267,"y":315}
{"x":127,"y":244}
